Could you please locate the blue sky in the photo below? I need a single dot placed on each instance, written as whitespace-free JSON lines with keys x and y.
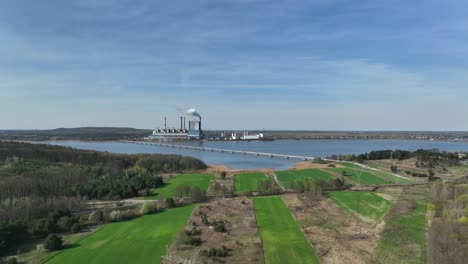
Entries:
{"x":243,"y":64}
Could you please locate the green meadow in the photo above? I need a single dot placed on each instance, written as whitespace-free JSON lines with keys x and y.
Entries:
{"x":371,"y":208}
{"x":362,"y":175}
{"x":192,"y":180}
{"x":141,"y":240}
{"x":287,"y":177}
{"x":283,"y":240}
{"x":247,"y":182}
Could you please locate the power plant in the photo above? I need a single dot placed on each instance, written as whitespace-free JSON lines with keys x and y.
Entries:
{"x":194,"y":132}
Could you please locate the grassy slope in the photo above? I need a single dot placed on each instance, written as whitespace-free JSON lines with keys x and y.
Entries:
{"x":142,"y":240}
{"x":384,"y":174}
{"x":403,"y":239}
{"x":287,"y":177}
{"x":283,"y":241}
{"x":248,"y":181}
{"x":371,"y":205}
{"x":200,"y":180}
{"x":366,"y":178}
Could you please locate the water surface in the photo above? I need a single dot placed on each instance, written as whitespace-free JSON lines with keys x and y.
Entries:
{"x":311,"y":148}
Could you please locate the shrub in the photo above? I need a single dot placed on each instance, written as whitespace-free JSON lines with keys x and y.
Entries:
{"x":463,"y":220}
{"x":216,"y":252}
{"x":96,"y":216}
{"x":53,"y":242}
{"x":194,"y":232}
{"x":197,"y":194}
{"x":219,"y":227}
{"x":170,"y":203}
{"x":193,"y":241}
{"x":223,"y":175}
{"x":12,"y":260}
{"x":115,"y":215}
{"x":147,"y":208}
{"x":204,"y":219}
{"x":75,"y":228}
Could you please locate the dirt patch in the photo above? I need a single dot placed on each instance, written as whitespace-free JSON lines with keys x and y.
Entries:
{"x":335,"y":235}
{"x":241,"y":236}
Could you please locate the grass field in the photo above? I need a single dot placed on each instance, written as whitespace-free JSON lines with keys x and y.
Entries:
{"x":287,"y":177}
{"x":192,"y":180}
{"x":371,"y":207}
{"x":366,"y":178}
{"x":403,"y":239}
{"x":283,"y":241}
{"x":247,"y":182}
{"x":142,"y":240}
{"x":388,"y":176}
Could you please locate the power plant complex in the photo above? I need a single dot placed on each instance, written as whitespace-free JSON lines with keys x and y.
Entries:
{"x":194,"y":131}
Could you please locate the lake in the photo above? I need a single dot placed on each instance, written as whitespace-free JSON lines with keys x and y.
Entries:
{"x":312,"y":148}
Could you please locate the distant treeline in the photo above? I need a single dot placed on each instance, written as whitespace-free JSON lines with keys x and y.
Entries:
{"x":426,"y":158}
{"x":81,"y":133}
{"x":104,"y":160}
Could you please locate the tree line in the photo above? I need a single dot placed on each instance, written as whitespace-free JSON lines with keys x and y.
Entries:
{"x":426,"y":158}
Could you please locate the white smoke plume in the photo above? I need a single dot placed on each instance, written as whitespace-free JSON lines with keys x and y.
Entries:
{"x":193,"y":112}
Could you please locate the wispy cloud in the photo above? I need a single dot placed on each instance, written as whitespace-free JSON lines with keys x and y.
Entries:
{"x":244,"y":63}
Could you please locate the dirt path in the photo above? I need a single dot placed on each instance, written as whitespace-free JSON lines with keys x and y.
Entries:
{"x":272,"y":174}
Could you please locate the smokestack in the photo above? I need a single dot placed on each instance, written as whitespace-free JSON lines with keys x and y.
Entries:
{"x":184,"y":122}
{"x":181,"y":123}
{"x":165,"y":123}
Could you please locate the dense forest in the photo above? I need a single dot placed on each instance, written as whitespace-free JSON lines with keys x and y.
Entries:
{"x":37,"y":177}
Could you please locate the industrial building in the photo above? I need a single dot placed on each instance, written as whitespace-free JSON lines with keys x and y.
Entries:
{"x":194,"y":132}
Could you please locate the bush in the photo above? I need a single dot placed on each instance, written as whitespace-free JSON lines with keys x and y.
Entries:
{"x":170,"y":203}
{"x":96,"y":217}
{"x":193,"y":241}
{"x":219,"y":227}
{"x":12,"y":260}
{"x":197,"y":194}
{"x":223,"y":175}
{"x":75,"y":228}
{"x":194,"y":232}
{"x":204,"y":219}
{"x":115,"y":215}
{"x":216,"y":252}
{"x":53,"y":242}
{"x":147,"y":208}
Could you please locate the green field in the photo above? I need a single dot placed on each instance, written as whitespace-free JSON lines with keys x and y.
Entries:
{"x":287,"y":177}
{"x":142,"y":240}
{"x":386,"y":175}
{"x":247,"y":182}
{"x":192,"y":180}
{"x":371,"y":207}
{"x":366,"y":178}
{"x":403,"y":239}
{"x":283,"y":240}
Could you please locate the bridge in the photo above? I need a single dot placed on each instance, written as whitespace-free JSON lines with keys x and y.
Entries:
{"x":229,"y":151}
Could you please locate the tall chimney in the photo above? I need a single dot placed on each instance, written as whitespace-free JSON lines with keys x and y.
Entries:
{"x":181,"y":123}
{"x":184,"y":122}
{"x":165,"y":123}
